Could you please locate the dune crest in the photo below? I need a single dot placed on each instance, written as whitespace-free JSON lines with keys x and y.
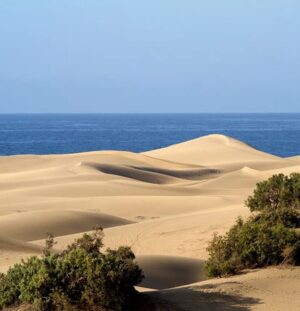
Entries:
{"x":211,"y":150}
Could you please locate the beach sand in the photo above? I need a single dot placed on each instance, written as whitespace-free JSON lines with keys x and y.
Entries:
{"x":166,"y":204}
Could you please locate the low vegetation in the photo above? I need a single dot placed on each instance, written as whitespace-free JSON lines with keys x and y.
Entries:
{"x":79,"y":278}
{"x":268,"y":237}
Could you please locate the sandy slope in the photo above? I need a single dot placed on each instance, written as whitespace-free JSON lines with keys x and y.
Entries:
{"x":269,"y":289}
{"x":296,"y":158}
{"x":165,"y":204}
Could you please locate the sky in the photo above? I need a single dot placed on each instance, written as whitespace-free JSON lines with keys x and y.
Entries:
{"x":71,"y":56}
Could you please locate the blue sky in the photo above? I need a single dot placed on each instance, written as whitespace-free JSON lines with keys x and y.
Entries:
{"x":149,"y":56}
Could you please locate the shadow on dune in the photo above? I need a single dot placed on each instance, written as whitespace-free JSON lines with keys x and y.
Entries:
{"x":132,"y":173}
{"x":154,"y":175}
{"x":34,"y":225}
{"x":190,"y":174}
{"x":170,"y":271}
{"x":206,"y":297}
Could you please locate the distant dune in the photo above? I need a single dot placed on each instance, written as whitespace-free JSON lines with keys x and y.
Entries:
{"x":211,"y":150}
{"x":166,"y":204}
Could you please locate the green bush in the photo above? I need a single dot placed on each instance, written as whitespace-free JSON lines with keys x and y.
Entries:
{"x":250,"y":245}
{"x":288,"y":217}
{"x":267,"y":238}
{"x":79,"y":278}
{"x":279,"y":191}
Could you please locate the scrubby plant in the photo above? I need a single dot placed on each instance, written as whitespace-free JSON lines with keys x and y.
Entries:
{"x":79,"y":278}
{"x":266,"y":238}
{"x":279,"y":191}
{"x":288,"y":217}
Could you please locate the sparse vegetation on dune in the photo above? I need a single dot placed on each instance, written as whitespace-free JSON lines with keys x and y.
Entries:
{"x":80,"y":278}
{"x":269,"y":237}
{"x":83,"y":277}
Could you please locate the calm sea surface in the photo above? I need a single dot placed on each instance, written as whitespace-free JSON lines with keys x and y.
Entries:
{"x":65,"y":133}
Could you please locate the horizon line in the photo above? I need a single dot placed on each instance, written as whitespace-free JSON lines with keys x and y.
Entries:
{"x":75,"y":113}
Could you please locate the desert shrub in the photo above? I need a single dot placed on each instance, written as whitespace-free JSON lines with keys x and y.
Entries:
{"x":288,"y":217}
{"x":266,"y":238}
{"x":79,"y":278}
{"x":252,"y":244}
{"x":278,"y":191}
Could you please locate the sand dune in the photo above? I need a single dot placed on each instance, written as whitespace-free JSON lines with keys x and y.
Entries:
{"x":295,"y":159}
{"x":211,"y":150}
{"x":269,"y":289}
{"x":35,"y":225}
{"x":7,"y":244}
{"x":242,"y":178}
{"x":165,"y":204}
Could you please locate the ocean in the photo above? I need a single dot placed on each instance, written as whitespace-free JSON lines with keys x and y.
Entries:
{"x":278,"y":134}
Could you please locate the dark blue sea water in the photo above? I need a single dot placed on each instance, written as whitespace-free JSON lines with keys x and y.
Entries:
{"x":65,"y":133}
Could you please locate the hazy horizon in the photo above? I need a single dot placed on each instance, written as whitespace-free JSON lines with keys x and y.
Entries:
{"x":163,"y":112}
